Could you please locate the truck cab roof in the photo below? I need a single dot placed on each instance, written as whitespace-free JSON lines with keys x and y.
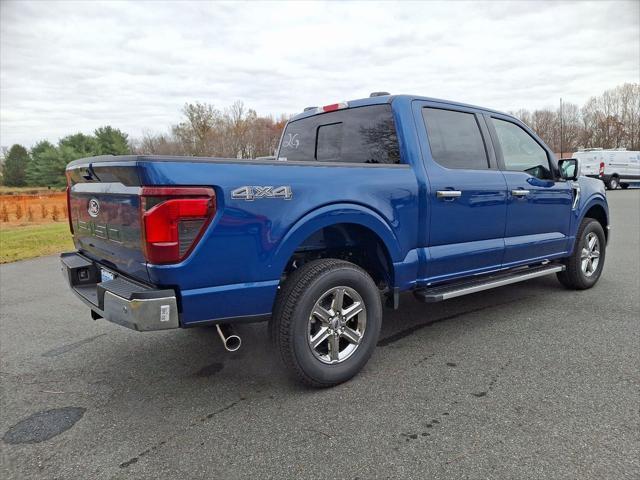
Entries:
{"x":377,"y":100}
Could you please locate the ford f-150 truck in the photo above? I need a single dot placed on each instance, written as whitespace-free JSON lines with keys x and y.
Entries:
{"x":363,"y":200}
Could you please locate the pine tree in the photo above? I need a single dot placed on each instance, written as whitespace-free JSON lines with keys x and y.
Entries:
{"x":53,"y":164}
{"x":15,"y":166}
{"x":83,"y":145}
{"x":35,"y":168}
{"x":111,"y":141}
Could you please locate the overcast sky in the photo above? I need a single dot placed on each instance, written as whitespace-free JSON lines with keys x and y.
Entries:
{"x":69,"y":67}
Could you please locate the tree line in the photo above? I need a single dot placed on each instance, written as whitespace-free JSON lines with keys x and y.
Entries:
{"x":45,"y":163}
{"x":235,"y":132}
{"x":611,"y":120}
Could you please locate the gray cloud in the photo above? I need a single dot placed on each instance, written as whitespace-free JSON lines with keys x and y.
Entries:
{"x":68,"y":67}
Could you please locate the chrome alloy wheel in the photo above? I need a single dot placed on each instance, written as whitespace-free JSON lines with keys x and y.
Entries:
{"x":336,"y":325}
{"x":590,"y":255}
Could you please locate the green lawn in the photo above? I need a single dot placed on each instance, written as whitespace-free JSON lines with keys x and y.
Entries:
{"x":20,"y":242}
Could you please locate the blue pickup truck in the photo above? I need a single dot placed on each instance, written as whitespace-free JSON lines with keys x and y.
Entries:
{"x":363,"y":200}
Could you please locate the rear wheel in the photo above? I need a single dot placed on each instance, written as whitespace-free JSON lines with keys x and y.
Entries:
{"x":585,"y":265}
{"x":327,"y":321}
{"x":613,"y":183}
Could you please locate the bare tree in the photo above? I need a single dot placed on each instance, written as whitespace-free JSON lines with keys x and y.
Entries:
{"x":611,"y":120}
{"x":545,"y":123}
{"x":158,"y":144}
{"x":236,"y":132}
{"x":571,"y":128}
{"x":195,"y":134}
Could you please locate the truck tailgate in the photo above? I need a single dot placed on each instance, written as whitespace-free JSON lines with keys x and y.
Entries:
{"x":105,"y":217}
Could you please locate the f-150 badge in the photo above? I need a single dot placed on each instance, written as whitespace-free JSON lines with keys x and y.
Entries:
{"x":251,"y":193}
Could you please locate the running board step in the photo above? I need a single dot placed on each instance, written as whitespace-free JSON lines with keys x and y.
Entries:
{"x":465,"y":287}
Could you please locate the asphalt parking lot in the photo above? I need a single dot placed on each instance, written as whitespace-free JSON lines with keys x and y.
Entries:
{"x":527,"y":381}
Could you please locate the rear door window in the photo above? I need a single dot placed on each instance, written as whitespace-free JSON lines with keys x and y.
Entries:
{"x":353,"y":135}
{"x":455,"y":139}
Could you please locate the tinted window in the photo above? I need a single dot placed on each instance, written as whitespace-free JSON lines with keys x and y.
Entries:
{"x":329,"y":145}
{"x":359,"y":135}
{"x":455,"y":139}
{"x":520,"y":151}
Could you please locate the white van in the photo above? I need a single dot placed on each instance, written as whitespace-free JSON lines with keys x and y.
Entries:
{"x":614,"y":167}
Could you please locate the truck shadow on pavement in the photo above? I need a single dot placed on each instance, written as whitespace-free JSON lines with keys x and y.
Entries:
{"x":227,"y":380}
{"x":161,"y":358}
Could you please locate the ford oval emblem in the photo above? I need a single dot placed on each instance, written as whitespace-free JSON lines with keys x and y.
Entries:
{"x":94,"y":207}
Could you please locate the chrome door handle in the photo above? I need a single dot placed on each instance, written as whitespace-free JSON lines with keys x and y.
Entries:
{"x":448,"y":193}
{"x":519,"y":193}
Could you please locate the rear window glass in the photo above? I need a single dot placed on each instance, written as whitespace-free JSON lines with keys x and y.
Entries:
{"x":354,"y":135}
{"x":455,"y":139}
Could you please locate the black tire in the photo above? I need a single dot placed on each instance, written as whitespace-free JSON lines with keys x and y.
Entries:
{"x":613,"y":183}
{"x":290,"y":322}
{"x":624,"y":186}
{"x":574,"y":277}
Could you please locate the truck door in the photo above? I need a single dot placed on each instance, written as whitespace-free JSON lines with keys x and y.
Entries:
{"x":539,"y":205}
{"x":466,"y":198}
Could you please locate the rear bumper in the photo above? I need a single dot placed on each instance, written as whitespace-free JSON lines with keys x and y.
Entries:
{"x":121,"y":300}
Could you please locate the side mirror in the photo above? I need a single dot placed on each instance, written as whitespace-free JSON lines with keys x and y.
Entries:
{"x":569,"y":168}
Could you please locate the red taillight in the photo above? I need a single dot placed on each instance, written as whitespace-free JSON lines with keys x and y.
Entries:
{"x":69,"y":208}
{"x":173,"y":220}
{"x":601,"y":173}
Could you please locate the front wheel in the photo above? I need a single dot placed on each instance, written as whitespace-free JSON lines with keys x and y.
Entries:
{"x":585,"y":264}
{"x":613,"y":183}
{"x":327,"y":321}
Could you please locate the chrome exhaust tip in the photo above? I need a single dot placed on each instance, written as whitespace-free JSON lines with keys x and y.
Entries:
{"x":230,"y":340}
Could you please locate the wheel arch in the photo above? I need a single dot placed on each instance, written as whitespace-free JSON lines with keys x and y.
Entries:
{"x":337,"y":228}
{"x":597,"y":210}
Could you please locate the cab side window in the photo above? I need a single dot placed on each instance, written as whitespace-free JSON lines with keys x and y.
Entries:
{"x":455,"y":139}
{"x":520,"y":151}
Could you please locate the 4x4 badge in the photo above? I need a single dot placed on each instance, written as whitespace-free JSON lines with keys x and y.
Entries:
{"x":251,"y":193}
